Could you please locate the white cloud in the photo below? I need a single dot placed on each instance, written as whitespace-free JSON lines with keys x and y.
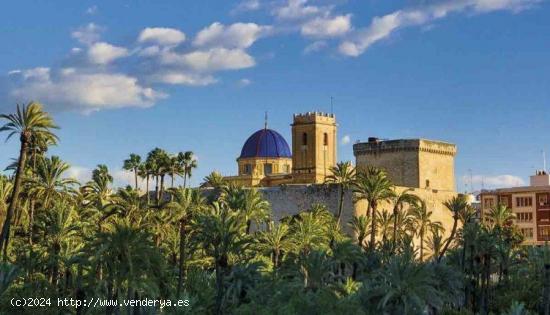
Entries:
{"x":86,"y":92}
{"x":246,"y":5}
{"x":327,"y":26}
{"x":104,"y":53}
{"x":87,"y":34}
{"x":297,"y":9}
{"x":383,"y":26}
{"x":161,"y":36}
{"x":174,"y":77}
{"x":91,"y":10}
{"x":79,"y":173}
{"x":315,"y":46}
{"x":211,"y":60}
{"x":498,"y":181}
{"x":244,"y":82}
{"x":346,"y":139}
{"x":238,"y":35}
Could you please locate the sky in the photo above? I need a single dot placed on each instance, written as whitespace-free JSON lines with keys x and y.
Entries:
{"x":123,"y":77}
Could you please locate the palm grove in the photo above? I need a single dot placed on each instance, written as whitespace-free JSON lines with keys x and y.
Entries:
{"x":218,"y":247}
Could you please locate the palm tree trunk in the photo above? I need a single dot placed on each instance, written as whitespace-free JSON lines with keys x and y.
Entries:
{"x":161,"y":193}
{"x":157,"y":188}
{"x":373,"y":226}
{"x":185,"y":180}
{"x":136,"y":177}
{"x":340,"y":206}
{"x":394,"y":245}
{"x":31,"y":220}
{"x":421,"y":246}
{"x":147,"y":188}
{"x":181,"y":267}
{"x":453,"y":231}
{"x":14,"y":196}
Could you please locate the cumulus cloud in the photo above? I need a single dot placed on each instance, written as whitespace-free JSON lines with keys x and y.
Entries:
{"x":498,"y":181}
{"x":174,"y":77}
{"x":237,"y":35}
{"x":104,"y":53}
{"x":246,"y":5}
{"x":87,"y":34}
{"x":73,"y":90}
{"x":161,"y":36}
{"x":214,"y":59}
{"x":382,"y":27}
{"x":298,"y":9}
{"x":346,"y":139}
{"x":327,"y":26}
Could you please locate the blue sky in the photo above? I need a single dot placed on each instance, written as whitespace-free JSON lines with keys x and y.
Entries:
{"x":128,"y":76}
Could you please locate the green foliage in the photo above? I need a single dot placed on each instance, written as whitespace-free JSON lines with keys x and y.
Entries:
{"x":221,"y":249}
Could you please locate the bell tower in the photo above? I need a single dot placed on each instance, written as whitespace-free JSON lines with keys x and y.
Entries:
{"x":313,"y":147}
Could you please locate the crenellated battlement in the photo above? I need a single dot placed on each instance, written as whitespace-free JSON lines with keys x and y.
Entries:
{"x":314,"y":117}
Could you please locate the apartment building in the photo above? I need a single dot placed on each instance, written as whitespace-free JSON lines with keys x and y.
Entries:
{"x":531,"y":204}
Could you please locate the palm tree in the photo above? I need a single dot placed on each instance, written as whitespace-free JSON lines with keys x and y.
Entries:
{"x":399,"y":200}
{"x":188,"y":161}
{"x":501,"y":216}
{"x":48,"y":182}
{"x":373,"y":186}
{"x":132,"y":164}
{"x":29,"y":121}
{"x":274,"y":242}
{"x":214,"y":179}
{"x":423,"y":223}
{"x":342,"y":175}
{"x":248,"y":202}
{"x":5,"y":193}
{"x":184,"y":205}
{"x":360,"y":226}
{"x":220,"y":231}
{"x":456,"y":205}
{"x":173,"y":168}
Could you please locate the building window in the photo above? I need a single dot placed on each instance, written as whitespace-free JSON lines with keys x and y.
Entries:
{"x":524,"y":216}
{"x":527,"y":233}
{"x":524,"y":201}
{"x":427,"y":183}
{"x":488,"y":203}
{"x":268,"y":168}
{"x":543,"y":200}
{"x":325,"y":139}
{"x":504,"y":201}
{"x":304,"y":138}
{"x":544,"y":233}
{"x":247,"y":169}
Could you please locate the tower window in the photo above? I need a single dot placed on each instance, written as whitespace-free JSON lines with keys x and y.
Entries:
{"x":247,"y":169}
{"x":304,"y":138}
{"x":268,"y":168}
{"x":325,"y":139}
{"x":427,"y":183}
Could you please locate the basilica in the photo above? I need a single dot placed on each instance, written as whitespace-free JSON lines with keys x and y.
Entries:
{"x":291,"y":177}
{"x":266,"y":159}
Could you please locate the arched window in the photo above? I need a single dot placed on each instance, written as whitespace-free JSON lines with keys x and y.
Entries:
{"x":304,"y":138}
{"x":325,"y":139}
{"x":427,"y":183}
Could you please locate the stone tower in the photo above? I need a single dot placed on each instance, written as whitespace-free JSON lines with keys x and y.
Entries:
{"x":417,"y":163}
{"x":313,"y":146}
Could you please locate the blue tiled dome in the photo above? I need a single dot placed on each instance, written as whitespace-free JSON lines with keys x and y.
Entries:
{"x":265,"y":143}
